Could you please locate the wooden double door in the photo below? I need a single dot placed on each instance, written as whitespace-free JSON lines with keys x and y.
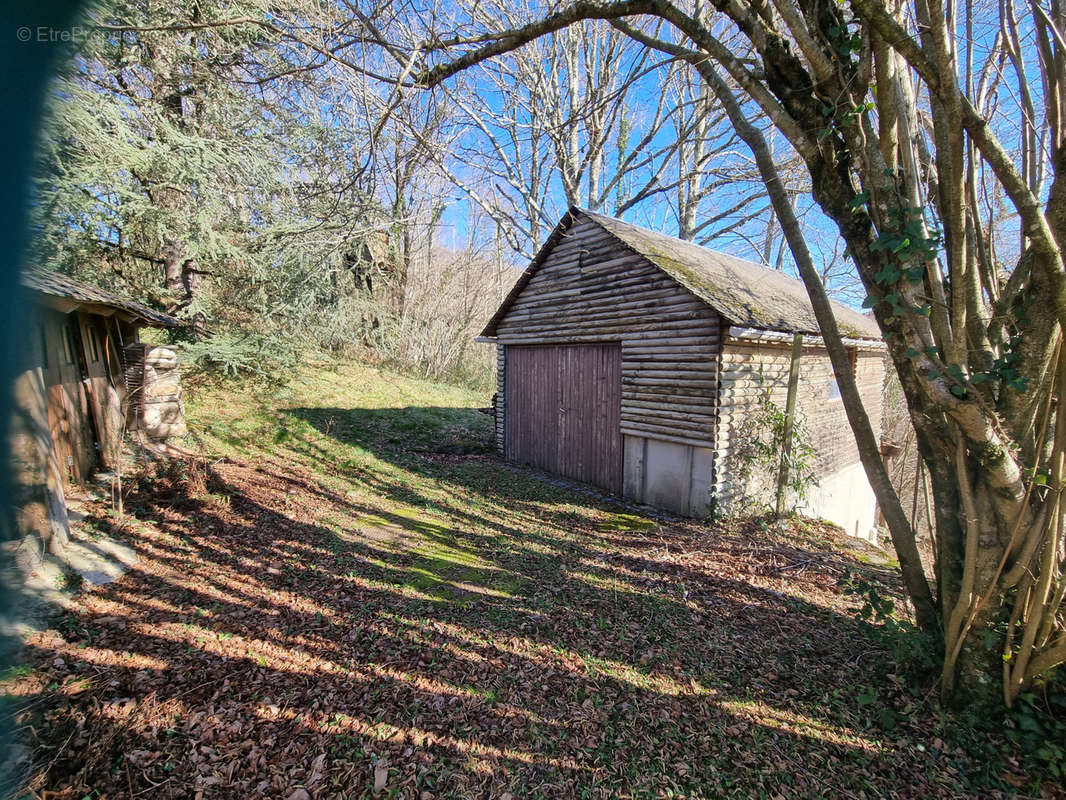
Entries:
{"x":563,"y":411}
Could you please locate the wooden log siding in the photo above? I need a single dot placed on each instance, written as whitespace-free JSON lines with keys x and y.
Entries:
{"x":68,"y":409}
{"x":752,"y":370}
{"x":593,"y":289}
{"x":501,"y":366}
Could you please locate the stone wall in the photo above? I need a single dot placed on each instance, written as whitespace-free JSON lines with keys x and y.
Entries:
{"x":753,"y":369}
{"x":154,"y":383}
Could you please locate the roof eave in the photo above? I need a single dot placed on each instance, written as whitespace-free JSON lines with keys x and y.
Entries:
{"x":68,"y":305}
{"x":768,"y":335}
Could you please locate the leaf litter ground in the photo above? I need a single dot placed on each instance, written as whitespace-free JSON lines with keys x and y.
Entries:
{"x":352,"y":597}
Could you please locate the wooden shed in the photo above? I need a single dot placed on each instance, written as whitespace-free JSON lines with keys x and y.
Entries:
{"x":628,"y":359}
{"x":84,"y":341}
{"x":71,"y":409}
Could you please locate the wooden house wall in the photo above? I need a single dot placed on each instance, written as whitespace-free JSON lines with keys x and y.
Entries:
{"x":592,"y":289}
{"x":78,"y":357}
{"x":38,"y":501}
{"x":68,"y":408}
{"x":104,"y":382}
{"x":94,"y":376}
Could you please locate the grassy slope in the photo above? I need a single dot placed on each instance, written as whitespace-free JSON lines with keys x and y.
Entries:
{"x":358,"y":592}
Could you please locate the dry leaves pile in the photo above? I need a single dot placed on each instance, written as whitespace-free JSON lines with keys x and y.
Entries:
{"x":453,"y":628}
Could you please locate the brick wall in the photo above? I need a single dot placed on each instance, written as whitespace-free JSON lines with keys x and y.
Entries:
{"x":752,"y":369}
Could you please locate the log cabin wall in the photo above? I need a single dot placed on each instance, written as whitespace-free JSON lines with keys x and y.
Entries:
{"x":754,"y":369}
{"x":499,"y":405}
{"x":592,"y":289}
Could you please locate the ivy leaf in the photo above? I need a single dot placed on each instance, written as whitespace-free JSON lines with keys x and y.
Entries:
{"x":913,"y":352}
{"x":888,"y":274}
{"x":1018,"y":384}
{"x":869,"y":302}
{"x":867,"y":696}
{"x":887,"y":717}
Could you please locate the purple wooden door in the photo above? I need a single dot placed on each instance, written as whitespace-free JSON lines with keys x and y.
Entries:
{"x":563,"y":404}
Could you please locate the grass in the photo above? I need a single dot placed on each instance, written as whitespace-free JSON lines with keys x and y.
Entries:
{"x":360,"y":593}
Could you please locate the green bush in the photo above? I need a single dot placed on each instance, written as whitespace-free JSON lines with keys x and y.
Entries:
{"x":235,"y":354}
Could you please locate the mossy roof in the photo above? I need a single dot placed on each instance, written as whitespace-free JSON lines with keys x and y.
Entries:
{"x":747,"y":294}
{"x":55,"y":284}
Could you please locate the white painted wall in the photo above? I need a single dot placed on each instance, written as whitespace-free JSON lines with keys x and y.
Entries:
{"x":845,"y":498}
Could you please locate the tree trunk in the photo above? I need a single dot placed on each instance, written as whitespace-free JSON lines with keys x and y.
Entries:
{"x":903,"y":538}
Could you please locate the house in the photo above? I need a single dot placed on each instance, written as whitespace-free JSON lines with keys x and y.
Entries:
{"x":86,"y":378}
{"x":631,"y":360}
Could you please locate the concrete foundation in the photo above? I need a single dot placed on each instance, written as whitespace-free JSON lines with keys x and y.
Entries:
{"x":669,"y":475}
{"x":679,"y":478}
{"x":846,"y":499}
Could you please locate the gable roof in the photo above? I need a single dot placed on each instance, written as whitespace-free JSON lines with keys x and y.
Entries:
{"x":748,"y":295}
{"x":63,"y":287}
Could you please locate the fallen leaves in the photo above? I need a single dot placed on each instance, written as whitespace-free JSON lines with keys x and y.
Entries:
{"x":381,"y":776}
{"x":339,"y":620}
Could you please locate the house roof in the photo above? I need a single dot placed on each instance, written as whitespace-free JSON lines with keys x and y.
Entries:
{"x":748,"y":295}
{"x":79,"y":294}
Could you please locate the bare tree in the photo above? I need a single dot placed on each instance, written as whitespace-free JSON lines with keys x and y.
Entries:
{"x":922,"y":188}
{"x":586,"y":116}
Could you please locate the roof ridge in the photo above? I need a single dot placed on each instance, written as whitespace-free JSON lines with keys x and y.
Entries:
{"x":745,"y":293}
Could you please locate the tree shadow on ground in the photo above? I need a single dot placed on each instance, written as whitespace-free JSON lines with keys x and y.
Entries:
{"x":441,"y":625}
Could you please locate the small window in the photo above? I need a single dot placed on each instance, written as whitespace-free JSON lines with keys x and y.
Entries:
{"x":94,"y":349}
{"x":834,"y":389}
